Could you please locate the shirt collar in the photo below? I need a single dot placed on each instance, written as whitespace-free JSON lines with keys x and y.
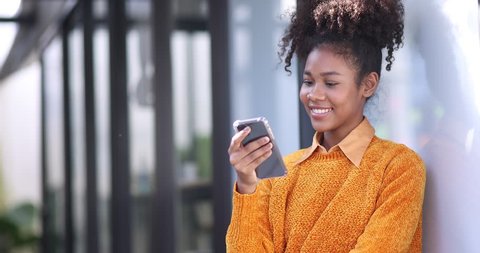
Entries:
{"x":353,"y":145}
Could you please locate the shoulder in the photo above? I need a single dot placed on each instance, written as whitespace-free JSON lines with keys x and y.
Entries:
{"x":293,"y":158}
{"x":387,"y":148}
{"x":396,"y":158}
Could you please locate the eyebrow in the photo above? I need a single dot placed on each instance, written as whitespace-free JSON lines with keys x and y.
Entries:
{"x":328,"y":73}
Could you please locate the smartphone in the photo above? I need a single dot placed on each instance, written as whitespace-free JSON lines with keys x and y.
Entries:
{"x":274,"y":165}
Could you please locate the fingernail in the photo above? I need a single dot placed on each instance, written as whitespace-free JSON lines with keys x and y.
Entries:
{"x":265,"y":139}
{"x":246,"y":129}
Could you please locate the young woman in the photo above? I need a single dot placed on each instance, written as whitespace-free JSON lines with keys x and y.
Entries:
{"x":350,"y":191}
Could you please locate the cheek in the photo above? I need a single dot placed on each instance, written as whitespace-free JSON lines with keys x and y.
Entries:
{"x":344,"y":96}
{"x":303,"y":95}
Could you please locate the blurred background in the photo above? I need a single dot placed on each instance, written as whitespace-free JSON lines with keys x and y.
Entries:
{"x":115,"y":118}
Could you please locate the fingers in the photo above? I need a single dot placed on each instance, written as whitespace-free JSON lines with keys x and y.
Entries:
{"x":259,"y":156}
{"x":237,"y":139}
{"x":247,"y":159}
{"x":238,"y":153}
{"x":256,"y":157}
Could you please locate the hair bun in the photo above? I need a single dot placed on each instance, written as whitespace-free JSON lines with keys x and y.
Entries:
{"x":379,"y":22}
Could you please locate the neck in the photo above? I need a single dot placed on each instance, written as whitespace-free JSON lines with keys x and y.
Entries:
{"x":332,"y":138}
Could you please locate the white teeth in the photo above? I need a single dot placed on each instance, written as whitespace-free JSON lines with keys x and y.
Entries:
{"x":321,"y":111}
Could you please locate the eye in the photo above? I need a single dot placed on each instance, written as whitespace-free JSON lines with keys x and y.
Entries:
{"x":307,"y":82}
{"x":330,"y":84}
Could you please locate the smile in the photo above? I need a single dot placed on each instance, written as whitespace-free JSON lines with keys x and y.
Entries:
{"x":321,"y":111}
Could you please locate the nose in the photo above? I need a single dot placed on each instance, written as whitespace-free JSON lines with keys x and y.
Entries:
{"x":317,"y":93}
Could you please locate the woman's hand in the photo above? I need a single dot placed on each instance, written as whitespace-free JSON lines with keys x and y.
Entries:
{"x":245,"y":159}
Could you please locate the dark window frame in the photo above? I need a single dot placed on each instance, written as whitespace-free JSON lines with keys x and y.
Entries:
{"x":163,"y":197}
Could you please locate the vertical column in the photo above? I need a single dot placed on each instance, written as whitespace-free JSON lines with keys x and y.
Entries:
{"x":90,"y":134}
{"x":45,"y":245}
{"x":219,"y":26}
{"x":163,"y":199}
{"x":69,"y":237}
{"x":121,"y":200}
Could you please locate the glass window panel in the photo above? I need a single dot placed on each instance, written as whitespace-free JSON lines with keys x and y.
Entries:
{"x":102,"y":119}
{"x":197,"y":9}
{"x":101,"y":72}
{"x":20,"y":137}
{"x":52,"y":60}
{"x":430,"y":101}
{"x":141,"y":120}
{"x":8,"y":30}
{"x":193,"y":128}
{"x":77,"y":122}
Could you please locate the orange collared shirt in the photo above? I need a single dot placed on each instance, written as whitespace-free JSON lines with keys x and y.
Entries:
{"x":353,"y":145}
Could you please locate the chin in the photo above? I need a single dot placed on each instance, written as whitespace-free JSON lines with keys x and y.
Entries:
{"x":320,"y":127}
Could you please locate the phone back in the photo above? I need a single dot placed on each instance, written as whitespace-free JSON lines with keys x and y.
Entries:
{"x":274,"y":165}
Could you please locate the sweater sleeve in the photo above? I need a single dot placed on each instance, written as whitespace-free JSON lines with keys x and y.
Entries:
{"x":250,"y":229}
{"x":395,"y":225}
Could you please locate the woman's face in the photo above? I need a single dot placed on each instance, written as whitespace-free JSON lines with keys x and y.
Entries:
{"x":330,"y":94}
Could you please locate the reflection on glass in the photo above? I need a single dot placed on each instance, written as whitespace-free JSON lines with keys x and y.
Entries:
{"x":77,"y":123}
{"x":102,"y":120}
{"x":193,"y":127}
{"x":433,"y":89}
{"x":141,"y":121}
{"x":449,"y":45}
{"x":101,"y":74}
{"x":52,"y":60}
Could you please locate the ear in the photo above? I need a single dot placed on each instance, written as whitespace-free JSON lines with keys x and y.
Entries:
{"x":369,"y":84}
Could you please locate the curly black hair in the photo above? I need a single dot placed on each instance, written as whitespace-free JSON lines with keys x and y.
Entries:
{"x":357,"y":29}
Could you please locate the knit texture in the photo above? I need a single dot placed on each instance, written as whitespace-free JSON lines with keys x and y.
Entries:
{"x":326,"y":204}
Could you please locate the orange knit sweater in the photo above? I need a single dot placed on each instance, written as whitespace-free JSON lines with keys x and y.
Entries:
{"x":326,"y":204}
